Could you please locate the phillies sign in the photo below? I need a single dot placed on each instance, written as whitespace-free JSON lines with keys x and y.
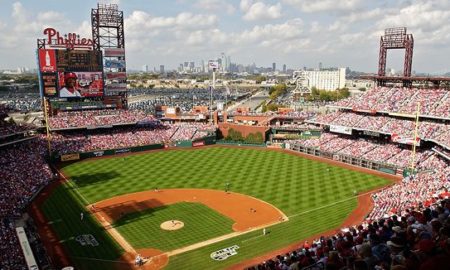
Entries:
{"x":69,"y":41}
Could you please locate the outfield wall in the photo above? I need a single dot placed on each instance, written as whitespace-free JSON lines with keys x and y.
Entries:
{"x":208,"y":140}
{"x":365,"y":163}
{"x":108,"y":152}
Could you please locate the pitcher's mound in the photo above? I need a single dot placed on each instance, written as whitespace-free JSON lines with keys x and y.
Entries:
{"x":172,"y":225}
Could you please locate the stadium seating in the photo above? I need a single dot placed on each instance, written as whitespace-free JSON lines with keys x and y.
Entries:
{"x":419,"y":239}
{"x":439,"y":132}
{"x":74,"y":119}
{"x":74,"y":142}
{"x":23,"y":171}
{"x":433,"y":102}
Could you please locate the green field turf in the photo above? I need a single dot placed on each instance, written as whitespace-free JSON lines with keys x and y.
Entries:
{"x":315,"y":195}
{"x":142,"y":229}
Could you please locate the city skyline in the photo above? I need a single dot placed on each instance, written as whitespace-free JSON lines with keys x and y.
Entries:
{"x":340,"y":33}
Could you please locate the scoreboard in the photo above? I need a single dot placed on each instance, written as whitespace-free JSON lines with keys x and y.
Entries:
{"x":78,"y":60}
{"x":84,"y":67}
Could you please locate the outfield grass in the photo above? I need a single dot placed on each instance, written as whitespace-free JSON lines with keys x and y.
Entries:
{"x":142,"y":229}
{"x":293,"y":184}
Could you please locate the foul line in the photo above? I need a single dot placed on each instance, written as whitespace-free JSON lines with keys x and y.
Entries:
{"x":103,"y":222}
{"x":115,"y":234}
{"x":73,"y":187}
{"x":334,"y":203}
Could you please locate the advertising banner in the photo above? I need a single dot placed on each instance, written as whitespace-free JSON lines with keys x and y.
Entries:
{"x":213,"y":64}
{"x":404,"y":140}
{"x":371,"y":133}
{"x":49,"y":84}
{"x":121,"y":151}
{"x":47,"y":60}
{"x":170,"y":110}
{"x":69,"y":157}
{"x":80,"y":84}
{"x":114,"y":63}
{"x":120,"y":87}
{"x":197,"y":144}
{"x":115,"y":75}
{"x":340,"y":129}
{"x":114,"y":52}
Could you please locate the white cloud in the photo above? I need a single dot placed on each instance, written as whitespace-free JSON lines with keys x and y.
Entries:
{"x":245,"y":4}
{"x":259,"y":11}
{"x":50,"y":16}
{"x":142,"y":21}
{"x":324,"y":5}
{"x":422,"y":15}
{"x":426,"y":20}
{"x":215,"y":6}
{"x":18,"y":12}
{"x":282,"y":32}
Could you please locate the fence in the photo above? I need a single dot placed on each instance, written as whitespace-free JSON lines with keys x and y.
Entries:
{"x":365,"y":163}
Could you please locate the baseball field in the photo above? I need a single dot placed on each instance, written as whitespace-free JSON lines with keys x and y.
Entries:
{"x":215,"y":202}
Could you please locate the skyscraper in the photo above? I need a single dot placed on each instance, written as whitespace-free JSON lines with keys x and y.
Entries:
{"x":224,"y":61}
{"x":274,"y":66}
{"x":284,"y":68}
{"x":161,"y":69}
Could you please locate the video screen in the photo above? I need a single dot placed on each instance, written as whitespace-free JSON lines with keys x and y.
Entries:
{"x":71,"y":73}
{"x":80,"y":84}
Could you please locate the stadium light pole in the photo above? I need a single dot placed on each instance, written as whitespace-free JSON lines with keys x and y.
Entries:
{"x":210,"y":96}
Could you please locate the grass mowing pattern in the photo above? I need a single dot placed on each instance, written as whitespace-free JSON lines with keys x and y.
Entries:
{"x":142,"y":229}
{"x":291,"y":183}
{"x":63,"y":210}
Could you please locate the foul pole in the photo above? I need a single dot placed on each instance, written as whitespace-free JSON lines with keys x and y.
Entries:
{"x":49,"y":145}
{"x":413,"y":158}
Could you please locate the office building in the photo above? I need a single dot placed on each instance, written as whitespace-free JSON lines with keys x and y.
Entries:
{"x":326,"y":79}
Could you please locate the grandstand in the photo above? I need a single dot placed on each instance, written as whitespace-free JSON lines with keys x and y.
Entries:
{"x":420,"y":196}
{"x":341,"y":153}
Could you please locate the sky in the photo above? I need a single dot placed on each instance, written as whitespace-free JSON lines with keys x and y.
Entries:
{"x":298,"y":33}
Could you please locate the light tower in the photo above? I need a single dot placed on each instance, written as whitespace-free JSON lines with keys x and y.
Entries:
{"x":395,"y":38}
{"x":108,"y":36}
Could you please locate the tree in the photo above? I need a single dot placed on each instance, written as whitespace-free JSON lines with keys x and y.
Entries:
{"x":277,"y":90}
{"x":272,"y":107}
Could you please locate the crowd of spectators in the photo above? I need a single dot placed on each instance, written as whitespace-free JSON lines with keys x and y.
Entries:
{"x":191,"y":131}
{"x":415,"y":190}
{"x":96,"y":118}
{"x":439,"y":132}
{"x":433,"y":102}
{"x":8,"y":128}
{"x":358,"y":148}
{"x":417,"y":240}
{"x":296,"y":126}
{"x":75,"y":142}
{"x":443,"y":151}
{"x":64,"y":143}
{"x":370,"y":150}
{"x":23,"y":171}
